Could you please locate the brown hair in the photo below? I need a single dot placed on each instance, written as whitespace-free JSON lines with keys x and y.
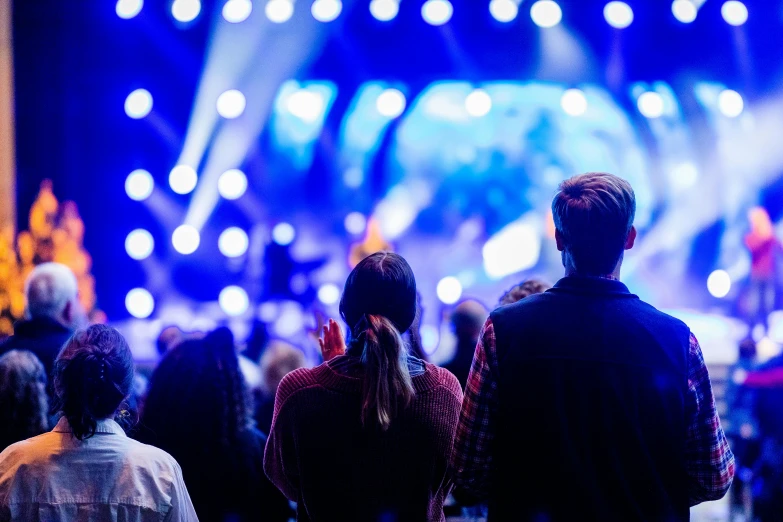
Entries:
{"x":522,"y":290}
{"x":23,"y":403}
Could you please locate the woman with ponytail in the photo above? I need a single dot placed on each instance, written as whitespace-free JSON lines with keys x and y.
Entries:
{"x":367,"y":435}
{"x":87,"y":468}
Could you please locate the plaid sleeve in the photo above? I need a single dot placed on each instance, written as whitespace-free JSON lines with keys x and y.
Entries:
{"x":472,"y":457}
{"x":709,"y":461}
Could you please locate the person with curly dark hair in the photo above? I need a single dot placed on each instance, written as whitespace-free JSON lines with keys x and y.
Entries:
{"x":198,"y":409}
{"x":87,"y":468}
{"x":522,"y":290}
{"x":23,"y":402}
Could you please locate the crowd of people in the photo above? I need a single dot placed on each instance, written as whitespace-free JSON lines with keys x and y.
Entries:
{"x":575,"y":402}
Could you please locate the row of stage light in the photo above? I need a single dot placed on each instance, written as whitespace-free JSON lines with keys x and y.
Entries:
{"x":544,"y":13}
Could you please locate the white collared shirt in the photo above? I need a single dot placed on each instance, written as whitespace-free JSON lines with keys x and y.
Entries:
{"x":107,"y":477}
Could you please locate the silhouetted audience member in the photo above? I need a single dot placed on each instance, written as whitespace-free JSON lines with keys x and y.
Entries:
{"x":23,"y":402}
{"x":466,"y":320}
{"x":585,"y":403}
{"x":522,"y":290}
{"x":366,"y":436}
{"x":280,"y":358}
{"x":87,"y":469}
{"x":168,"y":339}
{"x":198,"y":410}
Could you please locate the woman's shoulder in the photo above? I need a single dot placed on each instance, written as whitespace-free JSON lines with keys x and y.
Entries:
{"x":441,"y":380}
{"x":299,"y":379}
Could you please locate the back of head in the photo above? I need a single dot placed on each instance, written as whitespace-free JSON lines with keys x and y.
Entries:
{"x":93,"y":375}
{"x":280,"y":358}
{"x":522,"y":290}
{"x":23,"y":402}
{"x":49,"y":290}
{"x":468,"y":319}
{"x":378,"y":305}
{"x":593,"y":215}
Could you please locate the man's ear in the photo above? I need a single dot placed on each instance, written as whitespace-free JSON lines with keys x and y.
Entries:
{"x":631,"y":239}
{"x":559,"y":240}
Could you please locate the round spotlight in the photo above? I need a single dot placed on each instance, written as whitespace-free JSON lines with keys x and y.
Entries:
{"x":127,"y":9}
{"x":138,"y":104}
{"x":503,"y":10}
{"x":730,"y":103}
{"x":233,"y":242}
{"x":618,"y":14}
{"x":235,"y":11}
{"x":449,"y":290}
{"x":139,"y":185}
{"x":355,"y":223}
{"x":384,"y":10}
{"x":183,"y":179}
{"x":283,"y":234}
{"x":437,"y":12}
{"x":139,"y":303}
{"x":478,"y":103}
{"x":650,"y":104}
{"x":719,"y":284}
{"x":390,"y":103}
{"x":139,"y":244}
{"x":326,"y":10}
{"x":279,"y":11}
{"x":232,"y":184}
{"x":185,"y":239}
{"x":546,"y":13}
{"x":353,"y":177}
{"x":306,"y":105}
{"x":684,"y":11}
{"x":185,"y":10}
{"x":735,"y":13}
{"x":231,"y":104}
{"x":233,"y":301}
{"x":573,"y":102}
{"x":329,"y":294}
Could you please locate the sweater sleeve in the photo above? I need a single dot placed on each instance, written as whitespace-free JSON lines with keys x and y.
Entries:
{"x":280,"y":463}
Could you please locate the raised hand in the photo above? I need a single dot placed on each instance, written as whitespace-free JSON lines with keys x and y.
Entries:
{"x":332,"y":342}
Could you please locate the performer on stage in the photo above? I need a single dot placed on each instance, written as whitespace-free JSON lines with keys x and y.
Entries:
{"x":764,"y":249}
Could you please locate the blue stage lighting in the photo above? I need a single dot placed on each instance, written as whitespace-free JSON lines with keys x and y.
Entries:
{"x":139,"y":303}
{"x":437,"y":12}
{"x":138,"y":104}
{"x":503,"y":10}
{"x":355,"y":223}
{"x":232,"y":184}
{"x":127,"y":9}
{"x":478,"y":103}
{"x":684,"y":11}
{"x":185,"y":10}
{"x":139,"y":185}
{"x":546,"y":13}
{"x":279,"y":11}
{"x":449,"y":290}
{"x":233,"y":301}
{"x":730,"y":103}
{"x":735,"y":13}
{"x":139,"y":244}
{"x":235,"y":11}
{"x":183,"y":179}
{"x":618,"y":14}
{"x":306,"y":105}
{"x":233,"y":242}
{"x":231,"y":104}
{"x":283,"y":234}
{"x":650,"y":104}
{"x":384,"y":10}
{"x":329,"y":294}
{"x":326,"y":10}
{"x":719,"y":283}
{"x":390,"y":103}
{"x":573,"y":102}
{"x":185,"y":239}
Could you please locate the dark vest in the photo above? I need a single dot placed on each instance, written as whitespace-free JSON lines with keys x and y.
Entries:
{"x":592,"y":421}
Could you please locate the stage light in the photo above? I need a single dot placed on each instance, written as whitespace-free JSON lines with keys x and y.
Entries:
{"x":573,"y":102}
{"x":127,"y":9}
{"x":684,"y":10}
{"x":233,"y":242}
{"x":730,"y":103}
{"x":384,"y":10}
{"x":235,"y":11}
{"x":618,"y":14}
{"x":231,"y":104}
{"x":138,"y":104}
{"x":353,"y":177}
{"x":139,"y":244}
{"x":185,"y":10}
{"x":329,"y":294}
{"x":139,"y":185}
{"x":503,"y":10}
{"x":306,"y":105}
{"x":684,"y":176}
{"x":719,"y":283}
{"x":390,"y":103}
{"x":735,"y":13}
{"x":283,"y":234}
{"x":139,"y":303}
{"x":437,"y":12}
{"x":279,"y":11}
{"x":326,"y":10}
{"x":449,"y":290}
{"x":183,"y":179}
{"x":546,"y":13}
{"x":478,"y":103}
{"x":516,"y":247}
{"x":233,"y":301}
{"x":650,"y":104}
{"x":355,"y":223}
{"x":185,"y":239}
{"x":232,"y":184}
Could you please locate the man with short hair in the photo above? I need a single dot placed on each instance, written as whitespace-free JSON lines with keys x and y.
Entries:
{"x":52,"y":313}
{"x":583,"y":402}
